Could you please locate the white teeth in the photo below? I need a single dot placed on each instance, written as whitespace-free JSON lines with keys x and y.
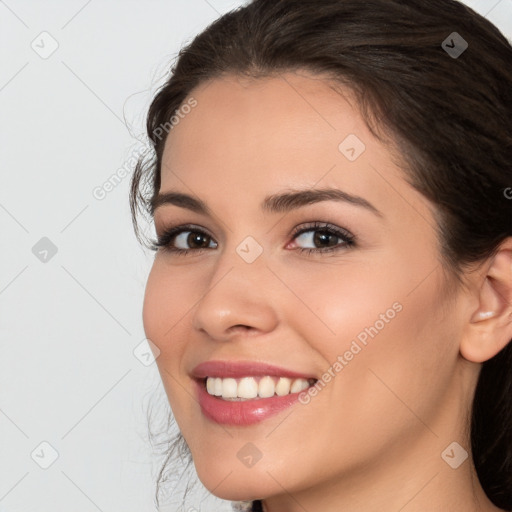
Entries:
{"x":283,"y":386}
{"x":266,"y":387}
{"x":217,"y":390}
{"x":229,"y":388}
{"x":247,"y":388}
{"x":299,"y":385}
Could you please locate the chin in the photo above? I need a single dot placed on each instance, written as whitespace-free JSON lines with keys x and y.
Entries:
{"x":233,"y":484}
{"x":237,"y":489}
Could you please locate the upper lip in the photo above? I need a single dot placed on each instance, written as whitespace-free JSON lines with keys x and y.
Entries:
{"x":238,"y":369}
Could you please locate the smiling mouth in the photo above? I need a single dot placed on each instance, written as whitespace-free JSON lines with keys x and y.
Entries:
{"x":254,"y":387}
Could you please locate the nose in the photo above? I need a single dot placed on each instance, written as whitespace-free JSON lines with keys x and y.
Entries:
{"x":238,"y":300}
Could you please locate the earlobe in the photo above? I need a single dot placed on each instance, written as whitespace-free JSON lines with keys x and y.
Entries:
{"x":489,"y":328}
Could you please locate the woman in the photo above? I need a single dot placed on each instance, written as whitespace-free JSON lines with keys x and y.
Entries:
{"x":331,"y":296}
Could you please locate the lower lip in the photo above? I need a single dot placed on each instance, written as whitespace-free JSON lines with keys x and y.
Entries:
{"x":246,"y":412}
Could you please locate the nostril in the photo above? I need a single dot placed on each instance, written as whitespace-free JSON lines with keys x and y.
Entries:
{"x":240,"y":327}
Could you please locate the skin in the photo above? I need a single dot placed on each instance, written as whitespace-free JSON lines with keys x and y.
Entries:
{"x":372,"y":438}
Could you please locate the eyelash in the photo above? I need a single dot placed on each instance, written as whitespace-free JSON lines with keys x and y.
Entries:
{"x":163,"y":241}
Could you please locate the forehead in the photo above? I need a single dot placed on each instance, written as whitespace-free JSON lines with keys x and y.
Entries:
{"x":290,"y":114}
{"x":259,"y":136}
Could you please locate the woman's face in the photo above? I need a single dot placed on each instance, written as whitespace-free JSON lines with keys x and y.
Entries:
{"x":367,"y":319}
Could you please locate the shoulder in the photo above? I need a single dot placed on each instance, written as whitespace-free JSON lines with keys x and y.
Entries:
{"x":242,"y":506}
{"x":246,"y":506}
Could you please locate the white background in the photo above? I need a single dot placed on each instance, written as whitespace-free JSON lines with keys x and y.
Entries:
{"x":69,"y":326}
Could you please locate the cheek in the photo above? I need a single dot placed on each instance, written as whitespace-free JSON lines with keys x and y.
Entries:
{"x":332,"y":304}
{"x":396,"y":350}
{"x":154,"y":307}
{"x":392,"y":335}
{"x":162,"y":312}
{"x":165,"y":304}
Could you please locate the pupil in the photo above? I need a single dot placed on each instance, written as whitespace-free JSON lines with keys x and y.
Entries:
{"x":196,"y":238}
{"x":321,"y":237}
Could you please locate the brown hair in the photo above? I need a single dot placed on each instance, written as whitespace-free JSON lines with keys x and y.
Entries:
{"x":449,"y":116}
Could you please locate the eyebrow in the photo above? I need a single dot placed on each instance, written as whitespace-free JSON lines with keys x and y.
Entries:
{"x":276,"y":203}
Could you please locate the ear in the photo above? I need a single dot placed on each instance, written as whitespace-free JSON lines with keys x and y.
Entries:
{"x":490,"y":326}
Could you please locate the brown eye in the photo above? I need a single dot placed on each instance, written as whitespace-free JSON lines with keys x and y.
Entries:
{"x":323,"y":238}
{"x":183,"y":239}
{"x":320,"y":238}
{"x":195,"y":240}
